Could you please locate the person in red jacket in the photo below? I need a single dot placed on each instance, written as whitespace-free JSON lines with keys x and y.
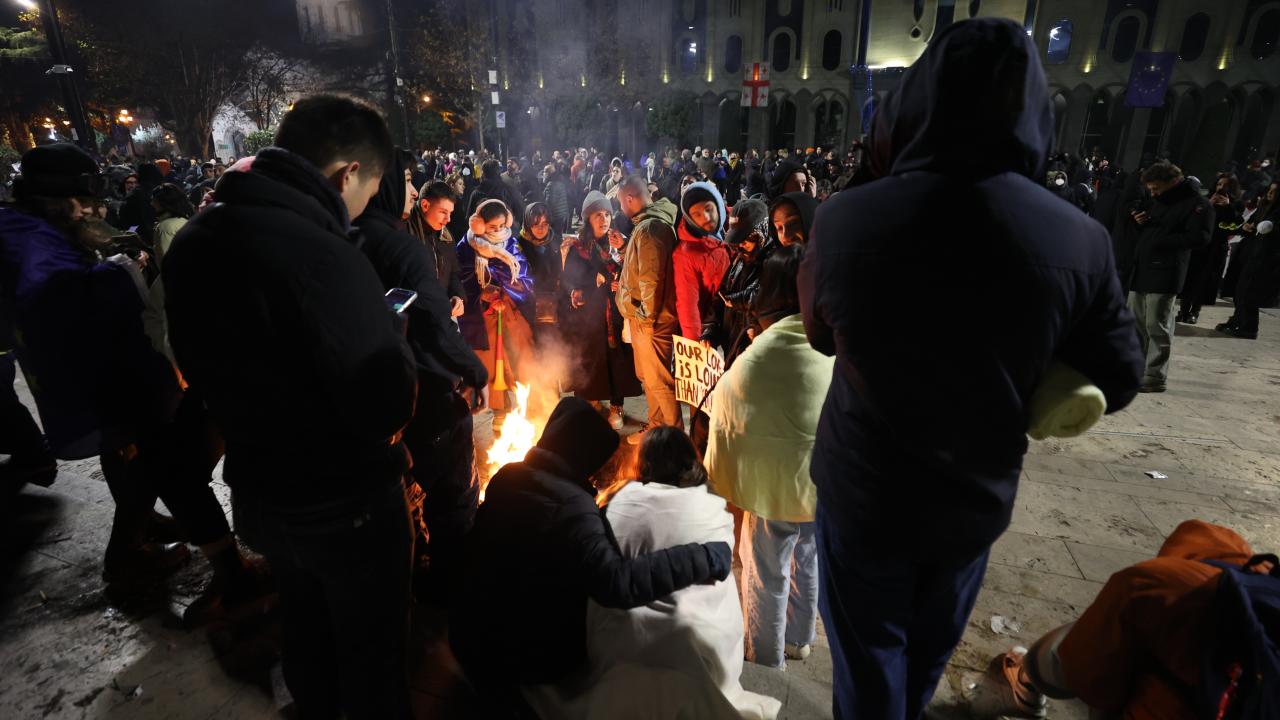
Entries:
{"x":700,"y":257}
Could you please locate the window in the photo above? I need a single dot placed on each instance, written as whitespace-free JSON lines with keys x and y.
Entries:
{"x":1265,"y":34}
{"x":831,"y":43}
{"x":733,"y":54}
{"x":1059,"y":45}
{"x":781,"y":55}
{"x":1194,"y":35}
{"x":1125,"y":42}
{"x":688,"y":60}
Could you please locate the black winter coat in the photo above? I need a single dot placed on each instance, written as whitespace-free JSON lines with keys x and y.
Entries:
{"x":539,"y":549}
{"x":1259,"y":283}
{"x":1179,"y":221}
{"x":927,"y":430}
{"x":496,"y":189}
{"x":278,"y":320}
{"x":556,"y":195}
{"x":402,"y":261}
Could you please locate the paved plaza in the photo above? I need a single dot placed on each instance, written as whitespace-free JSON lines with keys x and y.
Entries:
{"x":1086,"y":508}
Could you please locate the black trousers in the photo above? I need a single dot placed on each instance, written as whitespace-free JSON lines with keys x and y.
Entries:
{"x":440,"y":441}
{"x":19,"y":434}
{"x":343,"y":578}
{"x":172,"y":461}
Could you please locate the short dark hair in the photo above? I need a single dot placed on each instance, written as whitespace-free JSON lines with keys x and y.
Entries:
{"x":635,"y":186}
{"x":490,"y":169}
{"x":324,"y":128}
{"x":667,"y":456}
{"x":173,"y":201}
{"x":1163,"y":171}
{"x":438,"y":190}
{"x":492,"y":209}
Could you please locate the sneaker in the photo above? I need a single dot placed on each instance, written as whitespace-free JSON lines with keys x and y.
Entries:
{"x":617,"y":420}
{"x":634,"y":438}
{"x":1002,"y":693}
{"x":798,"y":652}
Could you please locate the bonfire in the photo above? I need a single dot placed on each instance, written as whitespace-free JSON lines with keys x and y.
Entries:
{"x":514,"y":437}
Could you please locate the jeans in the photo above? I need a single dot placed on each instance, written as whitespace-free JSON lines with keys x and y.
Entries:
{"x":343,"y":577}
{"x":1155,"y":320}
{"x":653,"y":354}
{"x":892,"y":622}
{"x":19,"y":434}
{"x":779,"y":587}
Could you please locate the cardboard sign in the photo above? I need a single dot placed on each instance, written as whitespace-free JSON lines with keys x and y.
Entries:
{"x":697,"y":370}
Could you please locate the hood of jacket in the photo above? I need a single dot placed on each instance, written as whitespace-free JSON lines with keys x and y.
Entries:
{"x":974,"y":105}
{"x":388,"y":204}
{"x":279,"y":178}
{"x":579,"y":440}
{"x":701,"y":192}
{"x":802,"y":201}
{"x":662,"y":210}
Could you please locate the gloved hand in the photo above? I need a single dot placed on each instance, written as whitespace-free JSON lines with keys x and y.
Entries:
{"x":720,"y":558}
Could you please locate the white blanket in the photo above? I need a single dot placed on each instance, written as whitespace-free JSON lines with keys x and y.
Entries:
{"x":677,"y":657}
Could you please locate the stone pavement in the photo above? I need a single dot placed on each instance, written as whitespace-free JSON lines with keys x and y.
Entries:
{"x":1085,"y":509}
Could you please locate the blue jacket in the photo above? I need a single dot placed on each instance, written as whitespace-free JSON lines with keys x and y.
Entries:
{"x":945,"y":289}
{"x":520,"y":292}
{"x":77,"y":330}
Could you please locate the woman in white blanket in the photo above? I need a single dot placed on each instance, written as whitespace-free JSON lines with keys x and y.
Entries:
{"x":678,"y":657}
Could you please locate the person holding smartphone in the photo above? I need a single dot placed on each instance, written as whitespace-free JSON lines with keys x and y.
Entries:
{"x":439,"y":438}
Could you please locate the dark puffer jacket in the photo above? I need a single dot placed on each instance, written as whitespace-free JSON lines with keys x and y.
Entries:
{"x":540,"y":547}
{"x":279,"y":320}
{"x":1180,"y":221}
{"x":927,"y":430}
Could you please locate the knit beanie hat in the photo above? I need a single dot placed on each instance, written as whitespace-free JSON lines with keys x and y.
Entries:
{"x":58,"y":170}
{"x":594,"y":203}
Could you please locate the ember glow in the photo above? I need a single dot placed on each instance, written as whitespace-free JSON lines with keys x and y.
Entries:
{"x":515,"y":437}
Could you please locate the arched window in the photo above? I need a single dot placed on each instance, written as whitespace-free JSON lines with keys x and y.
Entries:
{"x":1095,"y":122}
{"x":733,"y":54}
{"x":784,"y":124}
{"x":831,"y":43}
{"x":1194,"y":35}
{"x":781,"y":54}
{"x":1265,"y":34}
{"x":687,"y":56}
{"x":1125,"y":42}
{"x":1059,"y":45}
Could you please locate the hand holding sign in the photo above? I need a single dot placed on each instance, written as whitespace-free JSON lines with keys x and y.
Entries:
{"x":697,"y":370}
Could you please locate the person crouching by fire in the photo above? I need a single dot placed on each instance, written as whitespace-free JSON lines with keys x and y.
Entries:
{"x":540,"y":533}
{"x":499,"y":299}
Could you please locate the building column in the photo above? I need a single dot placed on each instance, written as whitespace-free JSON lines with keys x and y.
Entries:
{"x":804,"y":119}
{"x":710,"y":120}
{"x":758,"y":130}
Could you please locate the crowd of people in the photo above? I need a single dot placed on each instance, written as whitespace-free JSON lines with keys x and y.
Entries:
{"x":173,"y":315}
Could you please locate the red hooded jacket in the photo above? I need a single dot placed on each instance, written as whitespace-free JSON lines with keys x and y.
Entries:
{"x":699,"y":264}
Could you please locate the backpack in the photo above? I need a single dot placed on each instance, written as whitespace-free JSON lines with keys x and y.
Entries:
{"x":1240,"y":671}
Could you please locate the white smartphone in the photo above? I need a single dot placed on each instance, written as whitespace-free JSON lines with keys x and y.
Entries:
{"x":399,"y":299}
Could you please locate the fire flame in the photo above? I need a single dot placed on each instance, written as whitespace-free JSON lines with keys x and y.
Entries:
{"x":516,"y":436}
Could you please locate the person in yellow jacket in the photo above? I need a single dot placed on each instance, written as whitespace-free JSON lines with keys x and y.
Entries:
{"x":764,"y":415}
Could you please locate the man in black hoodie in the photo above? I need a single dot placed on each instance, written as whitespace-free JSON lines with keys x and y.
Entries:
{"x":279,"y":322}
{"x":492,"y":187}
{"x":440,"y":437}
{"x":920,"y":442}
{"x":1176,"y":221}
{"x":541,"y":547}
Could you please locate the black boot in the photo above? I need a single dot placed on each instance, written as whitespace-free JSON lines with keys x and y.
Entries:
{"x":144,"y":564}
{"x":240,"y":587}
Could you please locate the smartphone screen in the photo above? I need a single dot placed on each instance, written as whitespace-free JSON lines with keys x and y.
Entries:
{"x":398,"y":299}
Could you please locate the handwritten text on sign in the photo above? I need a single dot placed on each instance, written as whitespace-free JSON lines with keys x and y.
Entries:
{"x":697,"y":371}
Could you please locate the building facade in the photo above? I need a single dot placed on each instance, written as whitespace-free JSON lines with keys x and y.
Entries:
{"x":1221,"y":101}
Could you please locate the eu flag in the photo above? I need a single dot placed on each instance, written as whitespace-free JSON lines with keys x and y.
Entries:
{"x":1149,"y":78}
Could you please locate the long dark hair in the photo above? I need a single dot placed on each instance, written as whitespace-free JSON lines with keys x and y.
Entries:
{"x":667,"y":456}
{"x":779,"y":295}
{"x":171,"y":201}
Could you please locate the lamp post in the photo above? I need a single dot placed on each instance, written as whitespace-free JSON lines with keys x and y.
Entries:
{"x":63,"y":72}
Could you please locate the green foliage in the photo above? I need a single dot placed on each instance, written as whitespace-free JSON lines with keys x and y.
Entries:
{"x":22,"y":44}
{"x":258,"y":139}
{"x":8,"y":156}
{"x":579,"y":120}
{"x":674,"y":115}
{"x":430,"y":130}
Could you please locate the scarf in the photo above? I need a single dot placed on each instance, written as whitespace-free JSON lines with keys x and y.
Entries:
{"x":492,"y":246}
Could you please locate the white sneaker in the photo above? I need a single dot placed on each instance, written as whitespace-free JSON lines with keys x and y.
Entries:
{"x":798,"y":652}
{"x":617,"y":420}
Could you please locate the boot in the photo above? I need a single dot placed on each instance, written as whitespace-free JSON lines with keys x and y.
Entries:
{"x":143,"y":564}
{"x":239,"y":588}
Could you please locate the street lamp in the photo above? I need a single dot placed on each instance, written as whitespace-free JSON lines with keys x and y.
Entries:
{"x":62,"y":71}
{"x":426,"y":99}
